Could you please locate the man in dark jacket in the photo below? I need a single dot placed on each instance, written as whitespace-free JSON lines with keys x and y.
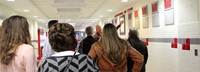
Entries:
{"x":140,"y":46}
{"x":86,"y":43}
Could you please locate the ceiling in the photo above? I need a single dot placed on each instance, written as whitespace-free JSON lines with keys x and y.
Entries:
{"x":80,"y":13}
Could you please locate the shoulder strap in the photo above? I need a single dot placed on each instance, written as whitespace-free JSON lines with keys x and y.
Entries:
{"x":67,"y":67}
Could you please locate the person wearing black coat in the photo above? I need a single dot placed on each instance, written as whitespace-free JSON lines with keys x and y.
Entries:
{"x":86,"y":43}
{"x":140,"y":46}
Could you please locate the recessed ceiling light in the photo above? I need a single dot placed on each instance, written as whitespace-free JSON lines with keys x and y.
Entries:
{"x":26,"y":10}
{"x":101,"y":16}
{"x":96,"y":19}
{"x":10,"y":0}
{"x":124,"y":0}
{"x":109,"y":10}
{"x":35,"y":16}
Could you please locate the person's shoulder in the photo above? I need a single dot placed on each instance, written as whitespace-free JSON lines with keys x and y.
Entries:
{"x":142,"y":42}
{"x":84,"y":56}
{"x":97,"y":43}
{"x":26,"y":47}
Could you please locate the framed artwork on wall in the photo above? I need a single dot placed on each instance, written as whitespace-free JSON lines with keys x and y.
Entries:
{"x":145,"y":17}
{"x":155,"y":14}
{"x":130,"y":20}
{"x":137,"y":19}
{"x":169,"y":12}
{"x":123,"y":25}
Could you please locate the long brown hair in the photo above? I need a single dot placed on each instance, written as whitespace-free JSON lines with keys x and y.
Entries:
{"x":112,"y":43}
{"x":15,"y":31}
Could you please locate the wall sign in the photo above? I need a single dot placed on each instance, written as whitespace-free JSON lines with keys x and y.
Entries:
{"x":155,"y":14}
{"x":137,"y":19}
{"x":145,"y":17}
{"x":123,"y":25}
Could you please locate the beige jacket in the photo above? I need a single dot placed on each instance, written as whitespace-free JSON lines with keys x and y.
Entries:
{"x":105,"y":65}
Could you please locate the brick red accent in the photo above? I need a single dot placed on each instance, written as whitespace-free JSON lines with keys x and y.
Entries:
{"x":155,"y":7}
{"x":187,"y":45}
{"x":46,"y":34}
{"x":119,"y":14}
{"x":168,"y":3}
{"x":39,"y":49}
{"x":130,"y":9}
{"x":147,"y":41}
{"x":136,"y":13}
{"x":175,"y":43}
{"x":144,"y":10}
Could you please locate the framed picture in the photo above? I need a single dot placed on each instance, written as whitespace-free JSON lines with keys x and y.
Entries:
{"x":130,"y":20}
{"x":123,"y":25}
{"x":155,"y":14}
{"x":137,"y":19}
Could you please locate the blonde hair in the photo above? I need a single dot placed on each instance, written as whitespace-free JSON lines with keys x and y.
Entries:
{"x":112,"y":43}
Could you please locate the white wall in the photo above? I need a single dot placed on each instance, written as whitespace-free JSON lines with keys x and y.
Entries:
{"x":188,"y":26}
{"x":6,"y":12}
{"x":1,"y":22}
{"x":163,"y":58}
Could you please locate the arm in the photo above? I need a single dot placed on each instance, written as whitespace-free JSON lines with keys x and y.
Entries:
{"x":118,"y":26}
{"x":43,"y":63}
{"x":29,"y":59}
{"x":136,"y":57}
{"x":146,"y":55}
{"x":92,"y":52}
{"x":47,"y":51}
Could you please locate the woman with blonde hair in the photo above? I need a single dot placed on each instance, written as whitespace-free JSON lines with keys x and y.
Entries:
{"x":111,"y":52}
{"x":16,"y":51}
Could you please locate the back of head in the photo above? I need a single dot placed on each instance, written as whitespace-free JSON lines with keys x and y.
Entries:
{"x":89,"y":31}
{"x":112,"y":43}
{"x":15,"y":31}
{"x":62,"y":37}
{"x":133,"y":34}
{"x":52,"y":22}
{"x":98,"y":29}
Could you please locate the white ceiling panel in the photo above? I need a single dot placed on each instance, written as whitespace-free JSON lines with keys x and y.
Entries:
{"x":80,"y":12}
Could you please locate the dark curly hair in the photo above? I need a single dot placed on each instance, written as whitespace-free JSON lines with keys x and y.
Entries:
{"x":62,"y":37}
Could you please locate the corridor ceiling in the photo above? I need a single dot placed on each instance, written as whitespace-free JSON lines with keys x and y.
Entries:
{"x":80,"y":13}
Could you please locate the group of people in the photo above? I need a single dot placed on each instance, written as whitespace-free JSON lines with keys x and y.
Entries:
{"x":103,"y":52}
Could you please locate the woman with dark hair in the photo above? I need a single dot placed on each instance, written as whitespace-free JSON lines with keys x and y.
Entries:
{"x":63,"y":42}
{"x":111,"y":52}
{"x":16,"y":52}
{"x":140,"y":46}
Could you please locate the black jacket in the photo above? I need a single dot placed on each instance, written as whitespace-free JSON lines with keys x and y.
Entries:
{"x":142,"y":48}
{"x":86,"y":44}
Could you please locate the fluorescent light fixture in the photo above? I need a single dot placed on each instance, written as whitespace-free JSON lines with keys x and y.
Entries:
{"x":124,"y":0}
{"x":101,"y":16}
{"x":26,"y":10}
{"x":10,"y":0}
{"x":109,"y":10}
{"x":35,"y":16}
{"x":96,"y":19}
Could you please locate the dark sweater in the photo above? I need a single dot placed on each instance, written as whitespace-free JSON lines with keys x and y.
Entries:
{"x":141,"y":47}
{"x":86,"y":44}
